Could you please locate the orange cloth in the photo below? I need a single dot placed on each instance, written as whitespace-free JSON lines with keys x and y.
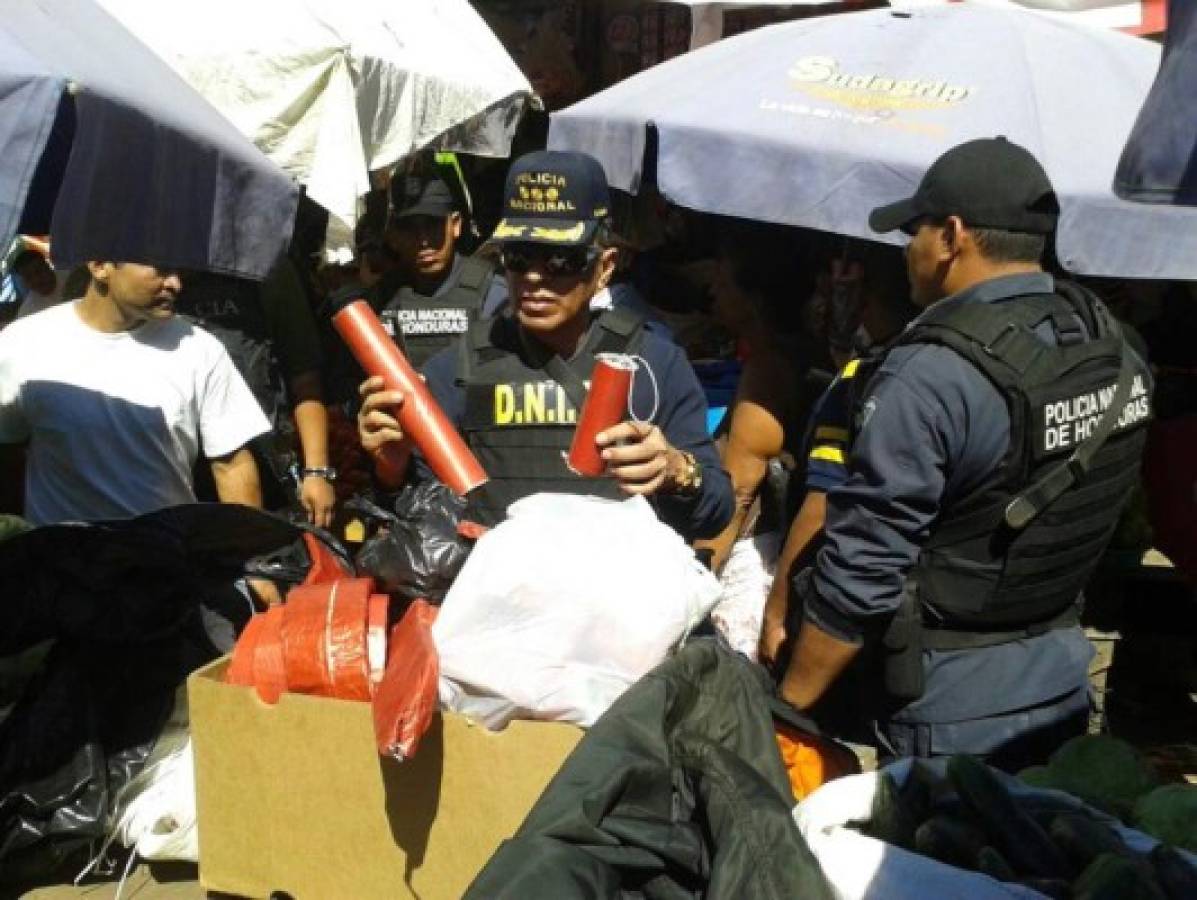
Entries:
{"x":811,"y":761}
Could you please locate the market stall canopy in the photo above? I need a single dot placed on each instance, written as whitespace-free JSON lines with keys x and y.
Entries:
{"x":333,"y":90}
{"x":108,"y":150}
{"x":1159,"y":164}
{"x":815,"y":122}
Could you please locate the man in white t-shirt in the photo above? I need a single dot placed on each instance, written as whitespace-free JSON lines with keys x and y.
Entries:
{"x":117,"y":398}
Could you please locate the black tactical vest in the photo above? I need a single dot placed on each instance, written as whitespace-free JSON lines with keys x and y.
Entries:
{"x":230,"y":309}
{"x":519,"y":418}
{"x":987,"y":574}
{"x":429,"y":324}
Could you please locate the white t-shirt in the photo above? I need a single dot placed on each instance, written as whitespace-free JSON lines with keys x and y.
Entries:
{"x":115,"y":422}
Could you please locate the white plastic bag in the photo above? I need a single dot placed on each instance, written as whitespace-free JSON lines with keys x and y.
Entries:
{"x":563,"y":606}
{"x":859,"y":867}
{"x":159,"y":823}
{"x":746,"y":578}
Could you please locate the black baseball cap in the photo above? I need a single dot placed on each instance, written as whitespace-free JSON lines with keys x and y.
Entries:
{"x":989,"y":183}
{"x":553,"y":197}
{"x":421,"y":195}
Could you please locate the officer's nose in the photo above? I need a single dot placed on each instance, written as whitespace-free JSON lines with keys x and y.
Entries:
{"x":172,"y":282}
{"x":533,"y":274}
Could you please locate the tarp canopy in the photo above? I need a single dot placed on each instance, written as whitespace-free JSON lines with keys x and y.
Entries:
{"x":815,"y":122}
{"x":108,"y":150}
{"x":332,"y":90}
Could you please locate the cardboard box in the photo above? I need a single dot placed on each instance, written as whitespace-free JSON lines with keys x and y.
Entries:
{"x":295,"y":797}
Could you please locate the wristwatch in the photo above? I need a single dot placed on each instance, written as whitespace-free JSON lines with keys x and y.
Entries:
{"x":328,"y":473}
{"x":688,"y":481}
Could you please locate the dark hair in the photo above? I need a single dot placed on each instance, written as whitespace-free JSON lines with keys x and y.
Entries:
{"x":26,"y":256}
{"x":775,"y":264}
{"x":997,"y":245}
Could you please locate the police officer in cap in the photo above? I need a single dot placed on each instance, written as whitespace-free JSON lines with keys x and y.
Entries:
{"x":433,"y":292}
{"x":994,"y":445}
{"x":514,"y":384}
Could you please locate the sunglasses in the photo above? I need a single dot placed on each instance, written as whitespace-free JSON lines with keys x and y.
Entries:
{"x":552,"y":261}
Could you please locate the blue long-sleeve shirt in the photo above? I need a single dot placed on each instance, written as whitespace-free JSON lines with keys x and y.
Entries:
{"x":680,"y":413}
{"x":932,"y":428}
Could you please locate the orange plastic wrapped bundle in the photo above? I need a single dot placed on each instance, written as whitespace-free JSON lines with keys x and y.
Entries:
{"x":241,"y":667}
{"x":270,"y":669}
{"x":420,"y":416}
{"x":325,"y":566}
{"x":327,"y":639}
{"x":324,"y":639}
{"x":407,"y":696}
{"x":376,"y":637}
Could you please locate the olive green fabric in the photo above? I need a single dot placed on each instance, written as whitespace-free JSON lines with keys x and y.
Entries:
{"x":678,"y":791}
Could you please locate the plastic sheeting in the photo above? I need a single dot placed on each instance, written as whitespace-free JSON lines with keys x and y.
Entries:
{"x":122,"y":606}
{"x":332,"y":91}
{"x":418,"y":549}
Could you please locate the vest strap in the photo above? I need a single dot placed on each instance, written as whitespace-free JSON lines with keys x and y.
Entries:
{"x":1043,"y":493}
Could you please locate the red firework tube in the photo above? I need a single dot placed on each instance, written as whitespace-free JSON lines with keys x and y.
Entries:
{"x":606,"y":405}
{"x":420,"y":416}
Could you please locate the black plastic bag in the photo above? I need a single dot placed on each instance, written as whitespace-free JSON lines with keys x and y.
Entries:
{"x":122,"y":606}
{"x":417,"y":551}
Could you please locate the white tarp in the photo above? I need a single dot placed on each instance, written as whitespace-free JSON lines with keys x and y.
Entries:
{"x":332,"y":90}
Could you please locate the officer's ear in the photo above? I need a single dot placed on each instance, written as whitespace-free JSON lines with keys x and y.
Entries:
{"x":604,"y":267}
{"x":455,"y":224}
{"x":952,"y":237}
{"x":100,"y":273}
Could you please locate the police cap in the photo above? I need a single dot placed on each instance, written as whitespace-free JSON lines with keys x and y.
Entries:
{"x":989,"y":183}
{"x":415,"y":195}
{"x":554,"y":197}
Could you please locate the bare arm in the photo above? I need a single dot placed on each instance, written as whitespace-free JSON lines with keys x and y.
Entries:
{"x":805,"y":527}
{"x":757,"y":434}
{"x":755,"y":438}
{"x":236,"y":478}
{"x":817,"y":661}
{"x":311,"y":421}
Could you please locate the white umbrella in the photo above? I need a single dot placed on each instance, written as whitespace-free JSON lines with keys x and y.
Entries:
{"x":332,"y":90}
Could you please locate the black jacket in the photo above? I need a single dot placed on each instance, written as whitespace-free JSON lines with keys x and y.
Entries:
{"x":677,"y":791}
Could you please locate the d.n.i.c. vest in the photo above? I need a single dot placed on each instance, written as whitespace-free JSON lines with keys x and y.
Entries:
{"x":519,"y":417}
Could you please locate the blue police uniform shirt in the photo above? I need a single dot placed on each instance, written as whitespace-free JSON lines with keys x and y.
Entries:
{"x":829,"y":432}
{"x":680,"y":414}
{"x":932,"y":429}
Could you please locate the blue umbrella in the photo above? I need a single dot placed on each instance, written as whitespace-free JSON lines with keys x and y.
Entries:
{"x":107,"y":149}
{"x":817,"y":121}
{"x":1159,"y":164}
